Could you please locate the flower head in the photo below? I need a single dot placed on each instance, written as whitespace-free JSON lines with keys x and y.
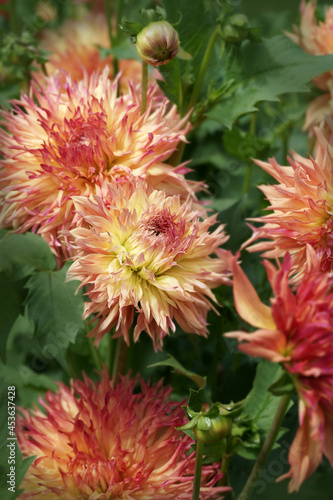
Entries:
{"x":104,"y":442}
{"x":73,"y":143}
{"x":142,"y":251}
{"x":157,"y":43}
{"x":74,"y":49}
{"x":302,"y":205}
{"x":316,"y":38}
{"x":297,"y":331}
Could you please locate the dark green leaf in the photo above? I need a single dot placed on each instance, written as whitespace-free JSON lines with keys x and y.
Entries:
{"x":11,"y":305}
{"x":243,"y":145}
{"x":196,"y":399}
{"x":262,"y":72}
{"x":171,"y":361}
{"x":261,"y":405}
{"x":21,"y":254}
{"x":284,"y":385}
{"x":55,"y":310}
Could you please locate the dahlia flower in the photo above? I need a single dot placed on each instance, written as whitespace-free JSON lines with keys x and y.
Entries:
{"x":74,"y":142}
{"x":316,"y":38}
{"x":105,"y":442}
{"x":145,"y":252}
{"x":302,"y":205}
{"x":74,"y":49}
{"x":297,"y":331}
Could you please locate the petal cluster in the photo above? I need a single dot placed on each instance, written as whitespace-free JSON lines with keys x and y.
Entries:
{"x":302,"y":205}
{"x":141,"y":251}
{"x":57,"y":144}
{"x":74,"y":49}
{"x":101,"y":441}
{"x":297,"y":331}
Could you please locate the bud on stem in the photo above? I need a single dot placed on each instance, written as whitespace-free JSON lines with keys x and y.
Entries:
{"x":157,"y":43}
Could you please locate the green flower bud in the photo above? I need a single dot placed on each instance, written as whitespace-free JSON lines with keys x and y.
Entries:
{"x":233,"y":34}
{"x":212,"y":429}
{"x":239,"y":20}
{"x":157,"y":43}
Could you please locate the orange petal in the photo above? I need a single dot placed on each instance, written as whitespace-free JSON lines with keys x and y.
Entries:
{"x":247,"y":302}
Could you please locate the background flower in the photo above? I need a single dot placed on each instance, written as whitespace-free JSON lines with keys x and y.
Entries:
{"x":74,"y":50}
{"x":302,"y":205}
{"x":105,"y":442}
{"x":74,"y":142}
{"x":316,"y":38}
{"x":297,"y":331}
{"x":143,"y":251}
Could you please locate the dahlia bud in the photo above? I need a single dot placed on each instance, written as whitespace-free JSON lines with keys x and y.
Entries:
{"x":212,"y":429}
{"x":157,"y":43}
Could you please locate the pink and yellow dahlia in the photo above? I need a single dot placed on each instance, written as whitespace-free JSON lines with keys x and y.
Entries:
{"x":101,"y":441}
{"x":302,"y":205}
{"x":297,"y":331}
{"x":74,"y":142}
{"x":316,"y":38}
{"x":74,"y":50}
{"x":141,"y":251}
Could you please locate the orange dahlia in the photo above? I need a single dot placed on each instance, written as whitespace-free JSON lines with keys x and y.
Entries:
{"x":101,"y":441}
{"x":72,"y":143}
{"x":74,"y":49}
{"x":142,"y":251}
{"x":297,"y":331}
{"x":316,"y":38}
{"x":302,"y":205}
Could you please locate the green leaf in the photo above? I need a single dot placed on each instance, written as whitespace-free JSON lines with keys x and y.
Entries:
{"x":194,"y":29}
{"x":21,"y":466}
{"x":11,"y":297}
{"x":284,"y":385}
{"x":243,"y":145}
{"x":196,"y":399}
{"x":56,"y":310}
{"x":262,"y":72}
{"x":171,"y":361}
{"x":261,"y":405}
{"x":194,"y":25}
{"x":21,"y":254}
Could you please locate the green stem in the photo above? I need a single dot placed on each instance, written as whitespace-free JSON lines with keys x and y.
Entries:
{"x":110,"y":353}
{"x":107,"y":7}
{"x":267,"y":447}
{"x":224,"y":481}
{"x":247,"y":179}
{"x":95,"y":354}
{"x":176,"y":157}
{"x":144,"y":87}
{"x":203,"y":69}
{"x":197,"y":471}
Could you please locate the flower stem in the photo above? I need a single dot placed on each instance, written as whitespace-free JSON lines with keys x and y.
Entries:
{"x":197,"y":471}
{"x":107,"y":7}
{"x":95,"y":355}
{"x":247,"y":179}
{"x":144,"y":87}
{"x":267,"y":447}
{"x":224,"y":481}
{"x":176,"y":157}
{"x":203,"y":69}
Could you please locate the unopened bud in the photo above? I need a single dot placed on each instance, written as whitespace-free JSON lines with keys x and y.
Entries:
{"x":211,"y":430}
{"x":157,"y":43}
